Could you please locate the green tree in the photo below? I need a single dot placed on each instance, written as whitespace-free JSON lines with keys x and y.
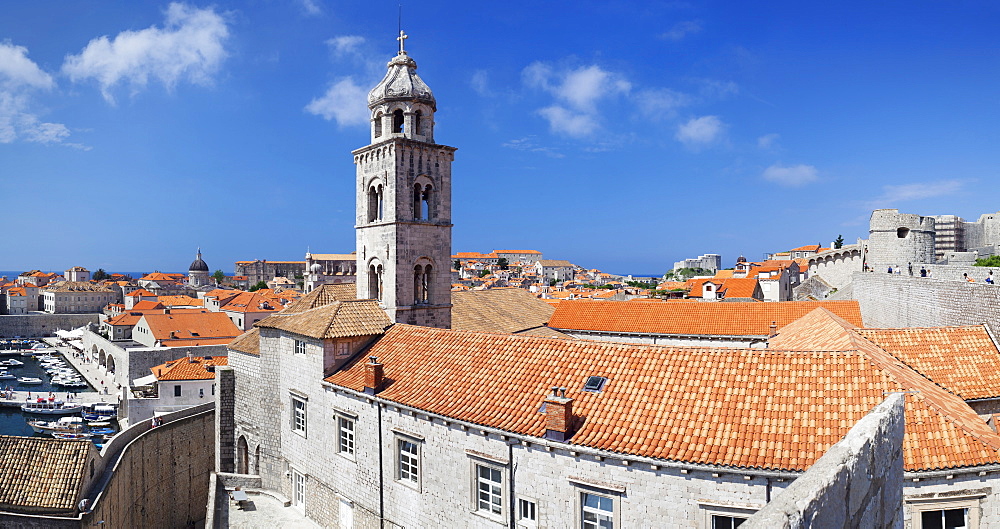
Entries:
{"x":839,"y":242}
{"x":260,"y":284}
{"x":484,"y":273}
{"x":100,"y":275}
{"x":993,"y":260}
{"x":219,"y":276}
{"x":552,"y":282}
{"x":457,"y":265}
{"x":502,"y":263}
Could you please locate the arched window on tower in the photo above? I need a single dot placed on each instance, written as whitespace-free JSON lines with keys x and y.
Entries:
{"x":375,"y":281}
{"x":425,"y":204}
{"x":425,"y":287}
{"x":418,"y":123}
{"x":416,"y":201}
{"x":397,"y":121}
{"x":418,"y":280}
{"x":375,"y":202}
{"x":378,"y":125}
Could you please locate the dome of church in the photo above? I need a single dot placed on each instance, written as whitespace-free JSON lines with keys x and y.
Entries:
{"x":401,"y":83}
{"x":316,"y":268}
{"x":198,"y":265}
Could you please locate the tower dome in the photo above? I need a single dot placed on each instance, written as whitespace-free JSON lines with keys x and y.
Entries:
{"x":401,"y":82}
{"x":198,"y":265}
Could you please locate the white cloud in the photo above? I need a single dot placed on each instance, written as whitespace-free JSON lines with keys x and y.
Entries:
{"x":767,"y":141}
{"x":528,"y":144}
{"x":579,"y":89}
{"x":190,"y":46}
{"x":481,"y":83}
{"x":345,"y":44}
{"x":793,"y":176}
{"x":311,"y":7}
{"x":900,"y":193}
{"x":20,"y":80}
{"x":700,"y":131}
{"x":343,"y":102}
{"x":569,"y":122}
{"x":714,"y":89}
{"x":660,"y":103}
{"x":682,"y":29}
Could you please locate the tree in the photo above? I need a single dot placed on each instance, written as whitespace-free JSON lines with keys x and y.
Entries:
{"x":993,"y":260}
{"x":219,"y":276}
{"x":260,"y":284}
{"x":502,"y":263}
{"x":484,"y":273}
{"x":457,"y":265}
{"x":839,"y":243}
{"x":100,"y":275}
{"x":552,"y":282}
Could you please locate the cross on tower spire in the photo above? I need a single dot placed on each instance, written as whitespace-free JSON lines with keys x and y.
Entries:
{"x":401,"y":38}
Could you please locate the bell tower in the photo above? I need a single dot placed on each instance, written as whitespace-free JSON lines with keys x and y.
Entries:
{"x":404,"y":201}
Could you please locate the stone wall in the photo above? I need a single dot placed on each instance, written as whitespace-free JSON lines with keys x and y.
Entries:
{"x":904,"y":301}
{"x":161,"y":477}
{"x":38,"y":325}
{"x":857,"y":483}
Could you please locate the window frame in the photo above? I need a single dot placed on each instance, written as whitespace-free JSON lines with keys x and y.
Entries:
{"x":353,"y":420}
{"x":526,"y":522}
{"x":294,"y":423}
{"x":299,"y":347}
{"x":475,"y":464}
{"x":709,"y":510}
{"x":972,"y":504}
{"x":416,"y":478}
{"x":581,"y":508}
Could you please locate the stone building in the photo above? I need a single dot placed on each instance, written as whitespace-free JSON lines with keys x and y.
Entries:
{"x":198,"y":272}
{"x":404,"y":202}
{"x":263,"y":270}
{"x":77,"y":273}
{"x":328,"y":269}
{"x":898,"y":239}
{"x":710,"y":261}
{"x":76,"y":297}
{"x":554,"y":269}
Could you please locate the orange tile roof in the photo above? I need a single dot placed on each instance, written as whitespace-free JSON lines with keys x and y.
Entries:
{"x":339,"y":319}
{"x":183,"y":369}
{"x":147,"y":305}
{"x":807,"y":248}
{"x":248,"y":342}
{"x":259,"y":301}
{"x":192,"y":327}
{"x":170,"y":301}
{"x":141,"y":292}
{"x":963,"y":360}
{"x":160,"y":276}
{"x":43,"y":476}
{"x":721,"y":319}
{"x":771,"y":409}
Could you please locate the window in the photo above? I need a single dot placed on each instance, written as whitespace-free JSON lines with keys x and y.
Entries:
{"x":945,"y":519}
{"x":721,"y":521}
{"x":408,"y":455}
{"x":345,"y":436}
{"x":177,"y":390}
{"x":597,"y":512}
{"x":299,"y":415}
{"x":299,"y":492}
{"x":201,"y":393}
{"x":526,"y":512}
{"x":595,"y":384}
{"x":489,"y":491}
{"x":300,"y":347}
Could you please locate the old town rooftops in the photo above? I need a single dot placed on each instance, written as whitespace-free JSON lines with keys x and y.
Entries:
{"x":743,"y":408}
{"x":324,"y":295}
{"x":75,"y":286}
{"x":499,"y":310}
{"x":711,"y":319}
{"x":189,"y":368}
{"x":202,"y":327}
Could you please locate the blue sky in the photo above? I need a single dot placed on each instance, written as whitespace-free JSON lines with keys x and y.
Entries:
{"x":619,"y":135}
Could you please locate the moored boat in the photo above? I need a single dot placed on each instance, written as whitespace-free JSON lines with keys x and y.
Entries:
{"x":56,"y":407}
{"x":99,"y":411}
{"x":63,"y":425}
{"x":67,"y":435}
{"x":29,"y":381}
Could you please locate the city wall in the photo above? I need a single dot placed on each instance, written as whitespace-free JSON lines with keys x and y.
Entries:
{"x":38,"y":325}
{"x":904,"y":301}
{"x":857,"y":483}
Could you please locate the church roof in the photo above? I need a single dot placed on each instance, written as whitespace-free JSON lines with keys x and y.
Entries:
{"x":401,"y":83}
{"x":336,"y":320}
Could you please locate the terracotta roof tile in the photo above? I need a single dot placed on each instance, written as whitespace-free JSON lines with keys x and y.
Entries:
{"x":324,"y":295}
{"x":338,"y":319}
{"x":200,"y":326}
{"x":185,"y":369}
{"x":722,"y":319}
{"x":248,"y":342}
{"x":42,"y":475}
{"x":507,"y":310}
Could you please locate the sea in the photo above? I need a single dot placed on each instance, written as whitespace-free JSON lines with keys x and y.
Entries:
{"x":11,"y":274}
{"x":12,"y":420}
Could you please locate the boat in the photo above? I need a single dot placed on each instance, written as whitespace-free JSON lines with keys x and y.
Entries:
{"x":100,"y":411}
{"x":56,"y":407}
{"x":67,"y":435}
{"x":99,"y":424}
{"x":29,"y":381}
{"x":6,"y":376}
{"x":63,"y":425}
{"x":102,"y":431}
{"x":13,"y":362}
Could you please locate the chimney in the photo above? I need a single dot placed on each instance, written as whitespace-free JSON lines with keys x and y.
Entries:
{"x":190,"y":354}
{"x":773,"y":330}
{"x":166,"y":311}
{"x":373,"y":376}
{"x":558,"y":415}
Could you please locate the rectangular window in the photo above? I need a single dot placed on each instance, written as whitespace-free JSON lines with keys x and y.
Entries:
{"x":177,"y":391}
{"x":526,"y":512}
{"x":597,"y":512}
{"x":489,"y":498}
{"x":721,"y":521}
{"x":345,"y":435}
{"x":299,"y":493}
{"x":409,"y":460}
{"x":300,"y":347}
{"x":945,"y":519}
{"x":299,"y":415}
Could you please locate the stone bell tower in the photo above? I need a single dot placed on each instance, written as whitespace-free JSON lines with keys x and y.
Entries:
{"x":404,"y":201}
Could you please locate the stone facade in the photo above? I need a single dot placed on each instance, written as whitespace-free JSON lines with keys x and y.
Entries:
{"x":404,"y":203}
{"x":264,"y":270}
{"x":710,"y":261}
{"x":39,"y":325}
{"x":897,"y":239}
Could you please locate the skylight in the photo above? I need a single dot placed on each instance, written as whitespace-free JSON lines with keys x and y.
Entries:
{"x":595,"y":384}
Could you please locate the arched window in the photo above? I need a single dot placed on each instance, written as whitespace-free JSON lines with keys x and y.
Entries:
{"x":417,"y":195}
{"x":378,"y":125}
{"x":375,"y":203}
{"x":902,"y":232}
{"x":397,"y":121}
{"x":425,"y":204}
{"x":375,"y":281}
{"x":418,"y":281}
{"x":418,"y":123}
{"x":425,"y":286}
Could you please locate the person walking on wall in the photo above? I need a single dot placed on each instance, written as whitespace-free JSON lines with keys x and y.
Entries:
{"x":923,"y":272}
{"x":890,"y":269}
{"x":989,"y":278}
